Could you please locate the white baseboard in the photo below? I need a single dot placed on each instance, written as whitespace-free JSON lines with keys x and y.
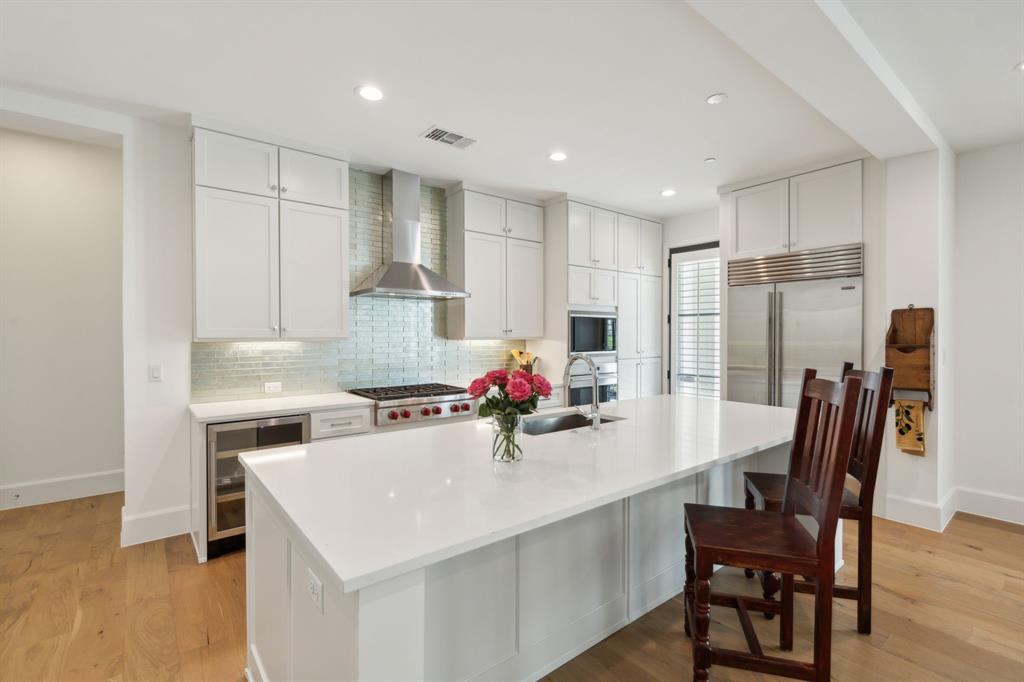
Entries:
{"x":154,"y":525}
{"x":920,"y":513}
{"x":993,"y":505}
{"x":46,"y":490}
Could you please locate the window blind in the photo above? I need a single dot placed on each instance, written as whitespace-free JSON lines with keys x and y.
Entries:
{"x":698,"y":320}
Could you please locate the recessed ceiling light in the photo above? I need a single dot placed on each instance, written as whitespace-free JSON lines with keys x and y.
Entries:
{"x":711,"y":159}
{"x":370,"y":92}
{"x":1019,"y":66}
{"x":668,"y":192}
{"x":557,"y":156}
{"x":717,"y":98}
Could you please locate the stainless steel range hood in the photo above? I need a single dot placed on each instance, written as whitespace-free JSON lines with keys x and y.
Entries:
{"x":405,"y":276}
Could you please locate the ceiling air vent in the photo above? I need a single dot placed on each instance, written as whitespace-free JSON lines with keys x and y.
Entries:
{"x":448,"y":137}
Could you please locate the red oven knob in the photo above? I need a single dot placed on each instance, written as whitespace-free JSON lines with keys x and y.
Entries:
{"x":406,"y":414}
{"x":392,"y":415}
{"x":425,"y":411}
{"x":437,"y":409}
{"x":465,"y":407}
{"x":455,"y":407}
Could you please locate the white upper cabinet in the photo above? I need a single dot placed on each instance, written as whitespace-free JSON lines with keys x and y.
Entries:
{"x":525,"y":282}
{"x":580,"y":235}
{"x":484,"y":213}
{"x":628,"y":330}
{"x":650,"y":248}
{"x":760,"y":220}
{"x":591,"y":286}
{"x":629,"y":244}
{"x":650,"y":316}
{"x":485,"y":279}
{"x":236,"y":265}
{"x":606,"y":287}
{"x":235,"y":163}
{"x":604,"y":239}
{"x":826,"y":208}
{"x":313,"y":179}
{"x":524,"y":221}
{"x":314,"y":274}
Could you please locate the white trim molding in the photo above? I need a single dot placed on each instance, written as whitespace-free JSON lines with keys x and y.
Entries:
{"x":154,"y":525}
{"x":28,"y":493}
{"x":935,"y":516}
{"x":992,"y":505}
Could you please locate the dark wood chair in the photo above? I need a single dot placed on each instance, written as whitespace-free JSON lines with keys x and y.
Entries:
{"x":823,"y":440}
{"x":767,"y":491}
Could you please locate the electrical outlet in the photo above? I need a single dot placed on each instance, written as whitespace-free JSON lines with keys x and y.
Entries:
{"x":315,"y":588}
{"x":272,"y":387}
{"x":156,"y":372}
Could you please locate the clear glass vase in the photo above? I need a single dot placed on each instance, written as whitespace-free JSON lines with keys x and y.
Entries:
{"x":508,"y":438}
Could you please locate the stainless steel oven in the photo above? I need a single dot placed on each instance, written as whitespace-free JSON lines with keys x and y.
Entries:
{"x":581,"y":383}
{"x":592,"y":333}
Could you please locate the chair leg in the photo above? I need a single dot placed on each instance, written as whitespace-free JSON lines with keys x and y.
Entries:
{"x":702,"y":621}
{"x":770,"y":584}
{"x":786,"y":621}
{"x":864,"y":573}
{"x":688,"y":589}
{"x":748,"y":502}
{"x":823,"y":625}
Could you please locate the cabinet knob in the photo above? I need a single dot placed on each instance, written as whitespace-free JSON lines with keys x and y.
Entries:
{"x":273,"y":188}
{"x":284,"y":329}
{"x":283,"y":189}
{"x":273,"y":328}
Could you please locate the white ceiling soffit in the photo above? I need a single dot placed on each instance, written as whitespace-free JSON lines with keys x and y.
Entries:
{"x":957,"y":58}
{"x":620,"y":86}
{"x":798,"y":43}
{"x":13,"y":120}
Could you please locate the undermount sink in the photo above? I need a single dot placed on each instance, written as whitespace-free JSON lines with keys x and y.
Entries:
{"x":536,"y":426}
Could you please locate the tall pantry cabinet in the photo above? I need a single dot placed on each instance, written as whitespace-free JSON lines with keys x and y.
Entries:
{"x":271,"y":240}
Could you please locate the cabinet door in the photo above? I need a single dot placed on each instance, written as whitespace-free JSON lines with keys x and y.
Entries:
{"x":314,"y":271}
{"x":629,"y":378}
{"x":760,"y":220}
{"x":525,"y":287}
{"x":650,"y":248}
{"x":650,"y":316}
{"x":581,"y":234}
{"x":605,"y":286}
{"x":524,"y":221}
{"x":237,"y":284}
{"x":825,"y":208}
{"x":650,"y":377}
{"x":628,"y":332}
{"x":604,"y":239}
{"x":485,"y":281}
{"x":581,"y":285}
{"x":313,"y":179}
{"x":484,"y":213}
{"x":629,"y":243}
{"x":230,"y":162}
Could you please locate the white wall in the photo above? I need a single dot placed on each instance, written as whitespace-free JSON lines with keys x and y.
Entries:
{"x":61,"y":398}
{"x":691,"y":228}
{"x":989,"y":402}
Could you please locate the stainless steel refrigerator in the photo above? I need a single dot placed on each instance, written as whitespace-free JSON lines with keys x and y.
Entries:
{"x":789,"y":312}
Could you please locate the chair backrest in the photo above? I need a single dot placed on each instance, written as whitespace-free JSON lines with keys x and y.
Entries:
{"x":822,"y":443}
{"x":872,"y":411}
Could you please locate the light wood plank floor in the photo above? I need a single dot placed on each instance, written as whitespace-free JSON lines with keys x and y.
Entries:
{"x":75,"y":606}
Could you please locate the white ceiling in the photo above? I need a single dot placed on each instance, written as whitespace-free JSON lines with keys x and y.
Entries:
{"x":957,"y":58}
{"x":620,"y":86}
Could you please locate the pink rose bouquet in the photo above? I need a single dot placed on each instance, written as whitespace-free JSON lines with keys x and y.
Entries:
{"x":507,"y":396}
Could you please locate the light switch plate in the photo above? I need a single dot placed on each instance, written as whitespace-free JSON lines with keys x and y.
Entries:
{"x":156,"y":372}
{"x":315,"y":587}
{"x":272,"y":387}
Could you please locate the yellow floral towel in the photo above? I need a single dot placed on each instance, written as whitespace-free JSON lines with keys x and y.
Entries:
{"x":910,"y":426}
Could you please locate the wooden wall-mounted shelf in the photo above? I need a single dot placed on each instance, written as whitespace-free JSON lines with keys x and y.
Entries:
{"x":908,"y":350}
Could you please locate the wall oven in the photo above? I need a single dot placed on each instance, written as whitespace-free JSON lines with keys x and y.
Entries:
{"x":592,"y":333}
{"x":581,"y":383}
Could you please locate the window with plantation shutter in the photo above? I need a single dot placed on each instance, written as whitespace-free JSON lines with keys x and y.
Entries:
{"x":697,"y":323}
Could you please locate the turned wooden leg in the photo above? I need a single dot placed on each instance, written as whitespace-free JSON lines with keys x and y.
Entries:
{"x":823,"y":625}
{"x":702,"y":622}
{"x":864,"y":573}
{"x":688,"y":590}
{"x":748,"y":502}
{"x":770,"y":584}
{"x":786,"y":621}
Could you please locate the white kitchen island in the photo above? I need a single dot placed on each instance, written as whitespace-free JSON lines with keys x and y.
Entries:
{"x":412,"y":556}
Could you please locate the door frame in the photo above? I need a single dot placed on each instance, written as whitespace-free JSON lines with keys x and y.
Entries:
{"x":667,"y":355}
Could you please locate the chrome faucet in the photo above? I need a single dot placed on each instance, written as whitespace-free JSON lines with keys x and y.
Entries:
{"x":595,"y":412}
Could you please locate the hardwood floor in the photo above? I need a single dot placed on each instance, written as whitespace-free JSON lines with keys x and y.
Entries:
{"x":75,"y":606}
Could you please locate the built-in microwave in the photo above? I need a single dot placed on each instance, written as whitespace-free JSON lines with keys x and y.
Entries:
{"x":592,"y":332}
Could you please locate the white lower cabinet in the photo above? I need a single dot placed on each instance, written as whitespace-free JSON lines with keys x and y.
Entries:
{"x":639,"y":315}
{"x":639,"y":378}
{"x":236,"y":265}
{"x":314,"y":277}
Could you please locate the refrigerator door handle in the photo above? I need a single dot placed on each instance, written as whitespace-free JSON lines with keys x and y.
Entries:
{"x":770,"y":338}
{"x":778,"y":348}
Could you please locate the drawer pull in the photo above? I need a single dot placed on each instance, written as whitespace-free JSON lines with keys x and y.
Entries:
{"x":335,"y":425}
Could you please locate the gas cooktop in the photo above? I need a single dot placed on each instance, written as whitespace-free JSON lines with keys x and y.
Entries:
{"x":388,"y":393}
{"x":418,"y":403}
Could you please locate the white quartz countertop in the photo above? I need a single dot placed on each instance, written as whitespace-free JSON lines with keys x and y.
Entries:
{"x":379,"y":505}
{"x":262,"y":407}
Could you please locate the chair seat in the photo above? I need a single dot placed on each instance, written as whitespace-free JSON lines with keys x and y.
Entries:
{"x":770,"y":489}
{"x":750,"y":538}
